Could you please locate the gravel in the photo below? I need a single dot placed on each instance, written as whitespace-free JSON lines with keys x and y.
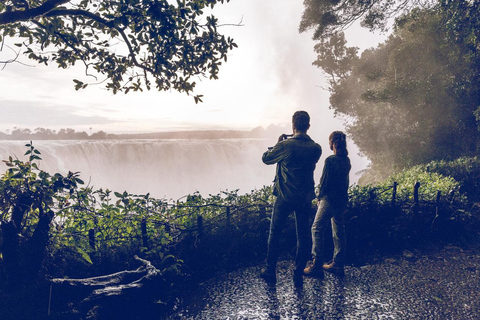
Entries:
{"x":440,"y":284}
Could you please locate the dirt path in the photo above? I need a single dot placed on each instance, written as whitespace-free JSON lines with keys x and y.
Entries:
{"x":441,"y":284}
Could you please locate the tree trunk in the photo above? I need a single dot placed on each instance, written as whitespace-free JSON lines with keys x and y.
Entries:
{"x":23,"y":259}
{"x":10,"y":252}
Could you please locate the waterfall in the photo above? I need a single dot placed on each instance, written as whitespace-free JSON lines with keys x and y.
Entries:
{"x":166,"y":168}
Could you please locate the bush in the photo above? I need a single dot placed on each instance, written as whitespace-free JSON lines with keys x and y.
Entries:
{"x":465,"y":170}
{"x":375,"y":223}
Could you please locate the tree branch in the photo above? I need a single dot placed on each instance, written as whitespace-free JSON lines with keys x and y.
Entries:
{"x":107,"y":23}
{"x":25,"y":15}
{"x":82,"y":13}
{"x":17,"y":54}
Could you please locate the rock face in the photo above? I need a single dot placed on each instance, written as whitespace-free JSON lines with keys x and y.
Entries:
{"x":127,"y":294}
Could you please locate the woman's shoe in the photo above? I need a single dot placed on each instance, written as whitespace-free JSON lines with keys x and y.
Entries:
{"x":334,"y":268}
{"x":314,"y":270}
{"x":269,"y":275}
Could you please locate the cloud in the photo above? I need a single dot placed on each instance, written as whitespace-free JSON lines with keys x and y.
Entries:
{"x":23,"y":113}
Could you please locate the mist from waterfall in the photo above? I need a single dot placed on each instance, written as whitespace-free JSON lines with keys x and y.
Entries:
{"x":165,"y":168}
{"x":170,"y":168}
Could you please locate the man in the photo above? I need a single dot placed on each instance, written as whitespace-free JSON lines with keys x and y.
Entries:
{"x":296,"y":158}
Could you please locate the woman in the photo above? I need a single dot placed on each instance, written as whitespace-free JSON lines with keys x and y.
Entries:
{"x":333,"y":198}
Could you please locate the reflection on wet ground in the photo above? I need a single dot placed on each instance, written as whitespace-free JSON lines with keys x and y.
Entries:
{"x":440,"y":285}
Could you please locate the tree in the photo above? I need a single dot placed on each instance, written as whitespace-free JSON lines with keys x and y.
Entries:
{"x":130,"y":44}
{"x":412,"y":99}
{"x":29,"y":201}
{"x":328,"y":17}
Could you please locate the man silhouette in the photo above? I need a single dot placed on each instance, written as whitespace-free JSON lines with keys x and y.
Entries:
{"x":296,"y":158}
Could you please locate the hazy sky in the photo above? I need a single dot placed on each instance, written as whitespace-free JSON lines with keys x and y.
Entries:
{"x":264,"y":81}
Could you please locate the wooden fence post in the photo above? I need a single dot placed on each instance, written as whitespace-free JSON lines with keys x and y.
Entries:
{"x":415,"y":192}
{"x":394,"y":193}
{"x":228,"y":217}
{"x":437,"y":203}
{"x":262,"y":213}
{"x":200,"y":225}
{"x":452,"y":197}
{"x":144,"y":233}
{"x":91,"y":238}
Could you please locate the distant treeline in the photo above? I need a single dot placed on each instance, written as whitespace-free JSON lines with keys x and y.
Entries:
{"x":71,"y":134}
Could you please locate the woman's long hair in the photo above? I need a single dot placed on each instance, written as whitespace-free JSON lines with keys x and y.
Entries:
{"x":338,"y":143}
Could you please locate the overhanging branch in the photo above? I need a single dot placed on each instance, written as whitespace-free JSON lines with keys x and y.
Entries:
{"x":82,"y":13}
{"x":28,"y":14}
{"x":107,"y":23}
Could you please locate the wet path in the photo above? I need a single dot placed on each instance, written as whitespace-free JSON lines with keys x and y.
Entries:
{"x":443,"y":284}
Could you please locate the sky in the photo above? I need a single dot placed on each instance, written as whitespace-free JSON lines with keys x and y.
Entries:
{"x":267,"y":78}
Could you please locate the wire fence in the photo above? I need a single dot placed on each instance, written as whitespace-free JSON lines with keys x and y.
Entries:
{"x":175,"y":223}
{"x":179,"y":220}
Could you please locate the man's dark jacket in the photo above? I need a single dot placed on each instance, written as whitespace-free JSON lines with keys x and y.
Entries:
{"x":296,"y":159}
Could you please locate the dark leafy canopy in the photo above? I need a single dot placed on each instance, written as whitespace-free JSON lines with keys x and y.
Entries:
{"x":414,"y":98}
{"x":328,"y":17}
{"x":131,"y":43}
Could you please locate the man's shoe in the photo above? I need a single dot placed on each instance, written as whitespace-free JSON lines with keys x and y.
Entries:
{"x":314,"y":270}
{"x":298,"y":275}
{"x":334,"y":268}
{"x":268,"y":275}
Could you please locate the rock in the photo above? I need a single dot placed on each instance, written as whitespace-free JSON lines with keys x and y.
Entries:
{"x":408,"y":254}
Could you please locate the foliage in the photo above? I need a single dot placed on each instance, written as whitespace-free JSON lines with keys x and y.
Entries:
{"x":464,"y":170}
{"x":127,"y":43}
{"x":329,"y":17}
{"x":430,"y":184}
{"x":29,"y":200}
{"x":49,"y":134}
{"x":94,"y":232}
{"x":375,"y":223}
{"x":412,"y":99}
{"x":99,"y":231}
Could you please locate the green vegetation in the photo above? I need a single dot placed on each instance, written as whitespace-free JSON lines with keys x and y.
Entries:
{"x":414,"y":98}
{"x":445,"y":209}
{"x":465,"y":170}
{"x":329,"y":17}
{"x":128,"y":45}
{"x":411,"y":105}
{"x":26,"y":134}
{"x":53,"y":225}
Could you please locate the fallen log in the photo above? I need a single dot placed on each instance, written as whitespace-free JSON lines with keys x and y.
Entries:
{"x":109,"y":295}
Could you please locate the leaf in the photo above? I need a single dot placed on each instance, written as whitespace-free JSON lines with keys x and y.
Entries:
{"x":84,"y":255}
{"x":168,"y":261}
{"x":198,"y":99}
{"x":79,"y":84}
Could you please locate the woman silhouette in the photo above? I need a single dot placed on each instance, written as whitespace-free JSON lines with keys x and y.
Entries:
{"x":333,"y":199}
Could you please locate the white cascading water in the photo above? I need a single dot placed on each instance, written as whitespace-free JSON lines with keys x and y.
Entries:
{"x":167,"y":169}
